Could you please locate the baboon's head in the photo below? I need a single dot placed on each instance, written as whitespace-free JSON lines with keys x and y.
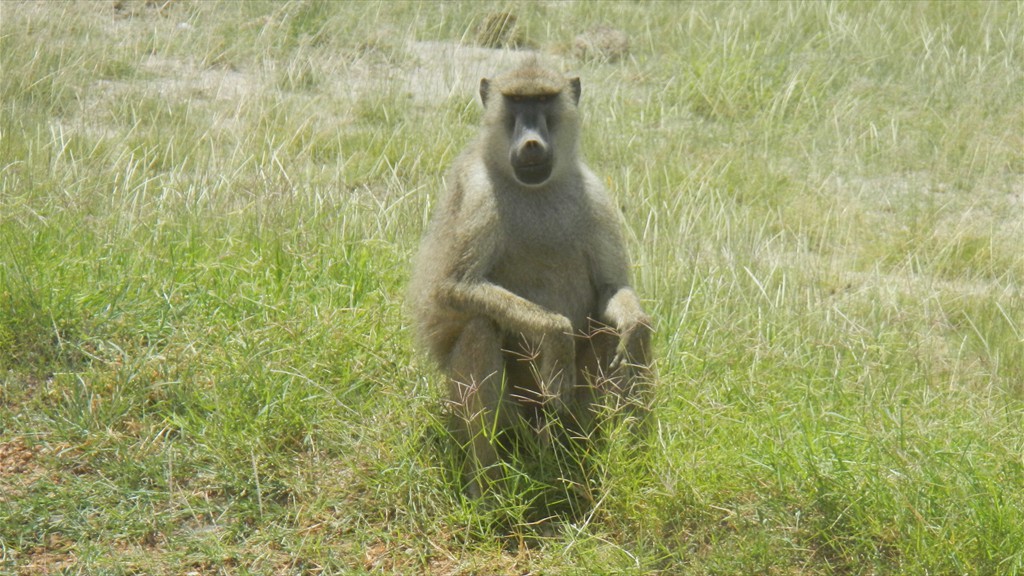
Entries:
{"x":531,"y":121}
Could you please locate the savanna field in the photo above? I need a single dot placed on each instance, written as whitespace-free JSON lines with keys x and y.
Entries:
{"x":208,"y":212}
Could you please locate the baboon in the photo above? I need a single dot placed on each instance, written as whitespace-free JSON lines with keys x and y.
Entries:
{"x":520,"y":289}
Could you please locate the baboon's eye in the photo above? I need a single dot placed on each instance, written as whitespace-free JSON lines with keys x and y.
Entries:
{"x":543,"y":97}
{"x":516,"y":98}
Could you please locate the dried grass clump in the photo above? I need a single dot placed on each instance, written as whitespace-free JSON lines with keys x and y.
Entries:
{"x":603,"y":43}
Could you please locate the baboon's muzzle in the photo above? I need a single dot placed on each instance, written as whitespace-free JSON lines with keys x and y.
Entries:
{"x":531,"y":156}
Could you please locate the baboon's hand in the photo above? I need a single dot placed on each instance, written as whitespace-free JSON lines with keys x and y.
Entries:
{"x":634,"y":337}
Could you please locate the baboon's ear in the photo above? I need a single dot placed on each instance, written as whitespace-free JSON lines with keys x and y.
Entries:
{"x":574,"y":85}
{"x":485,"y":89}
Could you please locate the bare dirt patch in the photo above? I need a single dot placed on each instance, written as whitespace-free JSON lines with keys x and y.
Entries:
{"x":178,"y":77}
{"x":17,"y":460}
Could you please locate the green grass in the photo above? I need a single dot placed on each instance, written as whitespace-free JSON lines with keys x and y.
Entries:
{"x":207,"y":215}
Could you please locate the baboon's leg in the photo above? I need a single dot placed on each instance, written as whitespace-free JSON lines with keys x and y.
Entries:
{"x":476,"y":391}
{"x":594,"y":353}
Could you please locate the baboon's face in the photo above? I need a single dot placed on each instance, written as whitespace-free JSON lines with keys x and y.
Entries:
{"x":529,"y":121}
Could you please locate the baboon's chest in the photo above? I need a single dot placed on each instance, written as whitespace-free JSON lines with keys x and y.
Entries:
{"x":545,"y":261}
{"x":543,"y":222}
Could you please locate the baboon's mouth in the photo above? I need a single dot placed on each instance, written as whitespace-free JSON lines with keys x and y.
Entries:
{"x":533,"y":174}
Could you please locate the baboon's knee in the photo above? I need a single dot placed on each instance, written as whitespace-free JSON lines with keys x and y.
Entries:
{"x":476,"y":366}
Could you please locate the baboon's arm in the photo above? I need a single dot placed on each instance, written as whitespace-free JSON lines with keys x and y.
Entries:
{"x":618,"y":304}
{"x":513,"y":313}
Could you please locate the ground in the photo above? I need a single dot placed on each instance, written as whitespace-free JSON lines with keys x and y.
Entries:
{"x":208,"y":211}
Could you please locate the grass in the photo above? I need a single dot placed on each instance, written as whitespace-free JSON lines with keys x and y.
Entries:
{"x":207,"y":213}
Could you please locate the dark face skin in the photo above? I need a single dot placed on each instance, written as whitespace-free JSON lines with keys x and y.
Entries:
{"x":528,"y":121}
